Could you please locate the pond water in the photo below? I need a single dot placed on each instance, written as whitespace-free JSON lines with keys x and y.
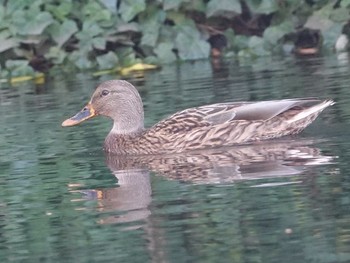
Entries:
{"x":63,"y":199}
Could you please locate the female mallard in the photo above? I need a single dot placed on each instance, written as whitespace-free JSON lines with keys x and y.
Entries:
{"x":215,"y":125}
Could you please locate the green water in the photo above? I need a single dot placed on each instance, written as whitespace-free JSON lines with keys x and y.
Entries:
{"x":63,"y":200}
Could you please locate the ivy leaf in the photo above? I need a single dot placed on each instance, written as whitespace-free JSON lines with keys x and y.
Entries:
{"x":340,"y":15}
{"x":56,"y":55}
{"x":220,"y":7}
{"x":130,"y":8}
{"x":165,"y":53}
{"x":107,"y":61}
{"x":110,"y":4}
{"x":7,"y":44}
{"x":60,"y":11}
{"x":190,"y":45}
{"x":230,"y":36}
{"x":176,"y":17}
{"x":96,"y":12}
{"x":256,"y":45}
{"x":2,"y":12}
{"x":262,"y":6}
{"x":80,"y":59}
{"x":19,"y":67}
{"x":99,"y":43}
{"x":345,"y":3}
{"x":36,"y":24}
{"x":91,"y":29}
{"x":171,"y":4}
{"x":126,"y":56}
{"x":274,"y":33}
{"x":195,"y":5}
{"x":151,"y":23}
{"x":13,"y":6}
{"x":62,"y":32}
{"x":129,"y":27}
{"x":332,"y":34}
{"x":320,"y":21}
{"x":32,"y":39}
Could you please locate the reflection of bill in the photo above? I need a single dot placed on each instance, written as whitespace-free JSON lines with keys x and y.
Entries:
{"x":130,"y":201}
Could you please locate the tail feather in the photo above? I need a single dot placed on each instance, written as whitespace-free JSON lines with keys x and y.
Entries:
{"x":312,"y":110}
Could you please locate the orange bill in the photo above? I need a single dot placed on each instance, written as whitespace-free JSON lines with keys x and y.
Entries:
{"x":86,"y":113}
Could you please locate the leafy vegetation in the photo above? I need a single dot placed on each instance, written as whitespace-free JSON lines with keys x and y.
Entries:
{"x":105,"y":34}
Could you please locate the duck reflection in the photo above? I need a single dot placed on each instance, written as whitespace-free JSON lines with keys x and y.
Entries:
{"x":132,"y":197}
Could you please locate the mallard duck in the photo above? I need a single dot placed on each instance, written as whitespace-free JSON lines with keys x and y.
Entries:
{"x":216,"y":125}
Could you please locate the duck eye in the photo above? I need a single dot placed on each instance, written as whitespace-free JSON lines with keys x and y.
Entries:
{"x":104,"y":92}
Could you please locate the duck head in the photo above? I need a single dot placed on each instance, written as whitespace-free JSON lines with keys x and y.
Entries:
{"x":118,"y":100}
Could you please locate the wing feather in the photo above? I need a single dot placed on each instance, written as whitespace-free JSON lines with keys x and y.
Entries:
{"x":216,"y":114}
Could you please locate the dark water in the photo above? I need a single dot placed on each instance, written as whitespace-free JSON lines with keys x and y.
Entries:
{"x":63,"y":200}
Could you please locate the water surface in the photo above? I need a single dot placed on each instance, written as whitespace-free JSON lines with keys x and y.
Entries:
{"x":63,"y":199}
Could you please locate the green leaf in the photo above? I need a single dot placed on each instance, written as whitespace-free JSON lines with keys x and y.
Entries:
{"x":2,"y":13}
{"x":99,"y":43}
{"x":176,"y":17}
{"x":95,"y":12}
{"x":86,"y":37}
{"x":230,"y":36}
{"x":61,"y":33}
{"x":80,"y":59}
{"x":330,"y":30}
{"x":167,"y":34}
{"x":107,"y":61}
{"x":37,"y":24}
{"x":19,"y":68}
{"x":150,"y":23}
{"x":263,"y":6}
{"x":91,"y":29}
{"x":12,"y":6}
{"x":61,"y":10}
{"x":345,"y":3}
{"x":4,"y":34}
{"x":32,"y":22}
{"x":8,"y":43}
{"x":130,"y":8}
{"x":189,"y":44}
{"x":126,"y":56}
{"x":32,"y":39}
{"x":195,"y":5}
{"x":129,"y":27}
{"x":340,"y":15}
{"x":12,"y":64}
{"x":171,"y":4}
{"x":331,"y":35}
{"x":111,"y":5}
{"x":318,"y":22}
{"x":165,"y":53}
{"x":220,"y":7}
{"x":56,"y":55}
{"x":256,"y":45}
{"x":274,"y":33}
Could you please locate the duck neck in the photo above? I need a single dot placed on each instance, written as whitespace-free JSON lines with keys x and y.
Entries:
{"x":126,"y":127}
{"x":118,"y":140}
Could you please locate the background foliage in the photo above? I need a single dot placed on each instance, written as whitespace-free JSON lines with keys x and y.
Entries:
{"x":104,"y":34}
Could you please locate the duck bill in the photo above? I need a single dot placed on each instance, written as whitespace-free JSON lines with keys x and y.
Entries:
{"x":86,"y":113}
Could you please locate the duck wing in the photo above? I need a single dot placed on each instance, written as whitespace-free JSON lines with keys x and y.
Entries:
{"x":252,"y":111}
{"x":234,"y":123}
{"x":220,"y":113}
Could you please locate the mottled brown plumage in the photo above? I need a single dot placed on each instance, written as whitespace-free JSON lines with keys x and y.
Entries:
{"x":210,"y":126}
